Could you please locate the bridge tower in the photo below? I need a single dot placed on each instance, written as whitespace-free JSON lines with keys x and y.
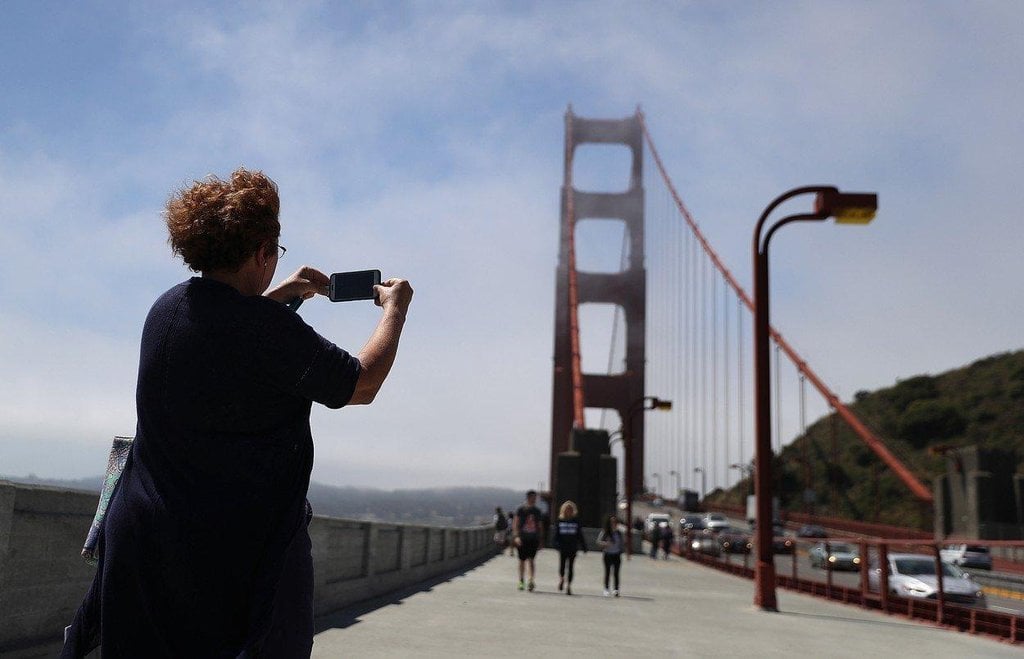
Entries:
{"x":621,"y":392}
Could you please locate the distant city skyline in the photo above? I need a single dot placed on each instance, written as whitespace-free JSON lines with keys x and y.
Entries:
{"x":426,"y":140}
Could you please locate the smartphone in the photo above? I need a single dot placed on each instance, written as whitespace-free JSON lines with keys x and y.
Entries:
{"x":356,"y":285}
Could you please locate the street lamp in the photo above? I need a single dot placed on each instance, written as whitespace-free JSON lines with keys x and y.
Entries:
{"x":676,"y":474}
{"x":745,"y":471}
{"x":846,"y":208}
{"x":657,"y":492}
{"x":703,"y":482}
{"x":627,"y":433}
{"x":616,"y":436}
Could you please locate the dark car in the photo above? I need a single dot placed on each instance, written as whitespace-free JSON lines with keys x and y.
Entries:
{"x":781,"y":543}
{"x":703,"y":542}
{"x":811,"y":531}
{"x":691,"y":523}
{"x":734,"y":541}
{"x":835,"y":556}
{"x":972,"y":556}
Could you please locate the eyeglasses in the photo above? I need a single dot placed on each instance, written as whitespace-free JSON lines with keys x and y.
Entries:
{"x":283,"y":250}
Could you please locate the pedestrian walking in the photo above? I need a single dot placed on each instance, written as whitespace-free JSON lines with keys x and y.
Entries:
{"x":500,"y":529}
{"x":568,"y":540}
{"x":661,"y":536}
{"x":526,"y":536}
{"x":511,"y":523}
{"x":666,"y":539}
{"x":612,"y":542}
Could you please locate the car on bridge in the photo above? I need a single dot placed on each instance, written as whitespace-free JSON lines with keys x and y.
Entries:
{"x":835,"y":556}
{"x":715,"y":521}
{"x":734,"y":540}
{"x":689,"y":523}
{"x":811,"y":531}
{"x":781,"y":543}
{"x":705,"y":542}
{"x":913,"y":575}
{"x":973,"y":556}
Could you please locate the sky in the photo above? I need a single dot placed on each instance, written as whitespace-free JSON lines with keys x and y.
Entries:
{"x":426,"y":140}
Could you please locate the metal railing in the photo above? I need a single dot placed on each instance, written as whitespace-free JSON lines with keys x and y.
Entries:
{"x":861,"y":588}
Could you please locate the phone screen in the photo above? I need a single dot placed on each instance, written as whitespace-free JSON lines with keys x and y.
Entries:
{"x":357,"y":285}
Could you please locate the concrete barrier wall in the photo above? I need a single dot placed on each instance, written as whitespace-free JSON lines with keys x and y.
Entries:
{"x":43,"y":578}
{"x":42,"y":575}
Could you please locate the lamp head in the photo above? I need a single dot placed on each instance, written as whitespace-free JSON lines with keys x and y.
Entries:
{"x":659,"y":404}
{"x":847,"y":207}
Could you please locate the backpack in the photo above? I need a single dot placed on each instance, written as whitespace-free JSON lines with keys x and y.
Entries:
{"x":502,"y":523}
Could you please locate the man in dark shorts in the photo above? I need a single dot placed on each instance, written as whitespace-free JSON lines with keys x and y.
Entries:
{"x":526,"y":533}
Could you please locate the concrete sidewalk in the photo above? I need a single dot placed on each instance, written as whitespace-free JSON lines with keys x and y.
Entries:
{"x":667,"y":608}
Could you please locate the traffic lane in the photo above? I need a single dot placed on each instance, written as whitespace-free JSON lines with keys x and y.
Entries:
{"x":998,"y":599}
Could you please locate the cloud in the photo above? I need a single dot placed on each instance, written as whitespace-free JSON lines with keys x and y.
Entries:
{"x":427,"y":140}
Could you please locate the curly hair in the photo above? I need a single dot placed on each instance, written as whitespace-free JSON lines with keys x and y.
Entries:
{"x":217,"y":224}
{"x":567,"y":507}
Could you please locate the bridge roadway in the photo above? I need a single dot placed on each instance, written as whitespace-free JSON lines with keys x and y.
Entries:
{"x":668,"y":608}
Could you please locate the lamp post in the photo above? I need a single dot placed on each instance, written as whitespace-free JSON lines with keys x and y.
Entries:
{"x":612,"y":438}
{"x":675,"y":491}
{"x":657,"y":492}
{"x":627,"y":434}
{"x":847,"y":208}
{"x":745,"y":471}
{"x":703,"y":482}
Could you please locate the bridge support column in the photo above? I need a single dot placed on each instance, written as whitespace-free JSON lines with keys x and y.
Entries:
{"x":626,"y":289}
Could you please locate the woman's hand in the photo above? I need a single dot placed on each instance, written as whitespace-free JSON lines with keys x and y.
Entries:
{"x":303,"y":283}
{"x":393,"y":293}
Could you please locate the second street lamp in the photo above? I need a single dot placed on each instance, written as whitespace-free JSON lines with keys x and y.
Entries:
{"x":847,"y":208}
{"x":627,"y":443}
{"x":703,"y":482}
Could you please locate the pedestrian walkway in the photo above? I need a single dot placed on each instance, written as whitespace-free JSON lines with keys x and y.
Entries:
{"x":668,"y":608}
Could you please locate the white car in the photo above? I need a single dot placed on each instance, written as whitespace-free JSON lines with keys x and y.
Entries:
{"x":973,"y":556}
{"x":715,"y":521}
{"x":654,"y":520}
{"x":913,"y":575}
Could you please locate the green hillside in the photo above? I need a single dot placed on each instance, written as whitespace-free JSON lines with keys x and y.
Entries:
{"x":981,"y":404}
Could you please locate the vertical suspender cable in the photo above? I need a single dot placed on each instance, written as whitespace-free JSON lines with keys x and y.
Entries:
{"x":726,"y":348}
{"x":704,"y":364}
{"x":684,"y":463}
{"x":741,"y":414}
{"x":804,"y":440}
{"x":833,"y":418}
{"x":677,"y":323}
{"x":618,"y":310}
{"x":695,"y":357}
{"x":713,"y":467}
{"x":862,"y":431}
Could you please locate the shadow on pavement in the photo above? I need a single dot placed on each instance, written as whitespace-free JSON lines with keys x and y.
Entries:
{"x":599,"y":597}
{"x":350,"y":615}
{"x":865,"y":621}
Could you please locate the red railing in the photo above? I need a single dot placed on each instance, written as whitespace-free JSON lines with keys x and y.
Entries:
{"x":971,"y":619}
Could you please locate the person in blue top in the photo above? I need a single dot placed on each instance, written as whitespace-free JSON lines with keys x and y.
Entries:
{"x":568,"y":540}
{"x":204,"y":551}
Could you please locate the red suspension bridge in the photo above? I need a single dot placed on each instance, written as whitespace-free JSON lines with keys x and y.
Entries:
{"x":681,"y":329}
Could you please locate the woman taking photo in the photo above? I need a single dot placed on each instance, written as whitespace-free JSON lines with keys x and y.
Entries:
{"x":204,"y":551}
